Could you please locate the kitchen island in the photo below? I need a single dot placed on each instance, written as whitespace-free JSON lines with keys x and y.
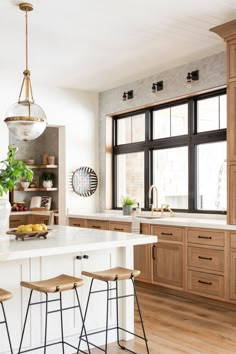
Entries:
{"x":66,"y":250}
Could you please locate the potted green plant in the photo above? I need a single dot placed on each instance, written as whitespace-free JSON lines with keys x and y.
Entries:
{"x":48,"y":179}
{"x":11,"y":171}
{"x":127,"y":204}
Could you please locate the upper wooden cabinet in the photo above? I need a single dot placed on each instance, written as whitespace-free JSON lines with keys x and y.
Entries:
{"x":227,"y":31}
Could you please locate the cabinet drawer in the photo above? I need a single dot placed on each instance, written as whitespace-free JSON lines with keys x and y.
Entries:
{"x":98,"y":224}
{"x":120,"y":226}
{"x":206,"y":258}
{"x":204,"y":237}
{"x":16,"y":220}
{"x":205,"y":284}
{"x":77,"y":222}
{"x":167,"y":233}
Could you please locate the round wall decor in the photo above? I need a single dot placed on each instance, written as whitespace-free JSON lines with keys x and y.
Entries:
{"x":84,"y":181}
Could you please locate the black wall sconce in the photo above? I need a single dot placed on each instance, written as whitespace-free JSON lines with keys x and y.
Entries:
{"x":158,"y":86}
{"x":193,"y":76}
{"x":128,"y":95}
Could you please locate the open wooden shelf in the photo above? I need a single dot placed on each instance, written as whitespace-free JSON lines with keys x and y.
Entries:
{"x":39,"y":189}
{"x":42,"y":166}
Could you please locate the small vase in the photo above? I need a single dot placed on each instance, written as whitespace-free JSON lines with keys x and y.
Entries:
{"x":47,"y":184}
{"x":5,"y":210}
{"x":127,"y":209}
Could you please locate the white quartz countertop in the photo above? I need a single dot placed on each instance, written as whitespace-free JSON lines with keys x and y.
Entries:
{"x":67,"y":239}
{"x":205,"y":221}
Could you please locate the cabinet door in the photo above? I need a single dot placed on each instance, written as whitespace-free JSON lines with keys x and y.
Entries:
{"x":233,"y":276}
{"x":143,"y":262}
{"x":143,"y":257}
{"x":168,"y":264}
{"x":11,"y":274}
{"x":94,"y":261}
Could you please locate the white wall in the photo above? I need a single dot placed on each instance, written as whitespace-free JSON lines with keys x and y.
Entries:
{"x":78,"y":112}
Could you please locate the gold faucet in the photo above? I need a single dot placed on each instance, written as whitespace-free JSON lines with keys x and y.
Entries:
{"x":151,"y":205}
{"x":164,"y":207}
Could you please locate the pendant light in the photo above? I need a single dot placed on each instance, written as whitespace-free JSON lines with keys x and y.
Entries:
{"x":25,"y":119}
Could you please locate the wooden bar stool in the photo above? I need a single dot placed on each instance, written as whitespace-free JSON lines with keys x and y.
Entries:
{"x":113,"y":275}
{"x":58,"y":284}
{"x":4,"y":296}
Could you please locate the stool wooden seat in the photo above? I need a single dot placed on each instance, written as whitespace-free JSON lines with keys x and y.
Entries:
{"x":5,"y":295}
{"x":113,"y":274}
{"x":116,"y":275}
{"x":60,"y":283}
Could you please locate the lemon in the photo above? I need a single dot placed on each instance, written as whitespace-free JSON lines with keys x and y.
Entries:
{"x":37,"y":227}
{"x":44,"y":227}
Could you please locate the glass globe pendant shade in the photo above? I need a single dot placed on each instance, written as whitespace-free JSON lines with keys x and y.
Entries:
{"x":26,"y":120}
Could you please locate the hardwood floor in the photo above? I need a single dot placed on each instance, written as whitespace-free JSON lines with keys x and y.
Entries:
{"x":180,"y":326}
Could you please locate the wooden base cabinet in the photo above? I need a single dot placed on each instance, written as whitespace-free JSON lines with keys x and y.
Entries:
{"x":168,"y":264}
{"x":167,"y":256}
{"x":143,"y":257}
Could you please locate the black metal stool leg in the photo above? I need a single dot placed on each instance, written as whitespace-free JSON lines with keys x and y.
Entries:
{"x":117,"y":316}
{"x":26,"y":315}
{"x":62,"y":331}
{"x":46,"y":323}
{"x":84,"y":318}
{"x":140,"y":315}
{"x":107,"y":317}
{"x":8,"y":334}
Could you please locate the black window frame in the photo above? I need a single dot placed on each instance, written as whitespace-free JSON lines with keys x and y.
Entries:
{"x":191,"y":140}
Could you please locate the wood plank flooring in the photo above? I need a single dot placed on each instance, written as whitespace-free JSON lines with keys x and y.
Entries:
{"x":180,"y":326}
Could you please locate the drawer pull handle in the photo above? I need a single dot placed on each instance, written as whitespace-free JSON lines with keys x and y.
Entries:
{"x":153,"y":252}
{"x":78,"y":225}
{"x":207,"y":258}
{"x":96,"y":227}
{"x":85,"y":256}
{"x":167,"y":233}
{"x":117,"y":229}
{"x":206,"y":237}
{"x":78,"y":257}
{"x":205,"y":282}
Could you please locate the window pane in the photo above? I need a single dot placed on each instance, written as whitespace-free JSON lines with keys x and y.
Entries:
{"x":161,"y":123}
{"x":211,"y":113}
{"x":179,"y":120}
{"x":223,"y":112}
{"x":172,"y":121}
{"x":170,"y":175}
{"x":211,"y":179}
{"x":130,"y":177}
{"x":131,"y":129}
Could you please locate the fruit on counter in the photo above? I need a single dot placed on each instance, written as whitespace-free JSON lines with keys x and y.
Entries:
{"x":31,"y":227}
{"x":19,"y":207}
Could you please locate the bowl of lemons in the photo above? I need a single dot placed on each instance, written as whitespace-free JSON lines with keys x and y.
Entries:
{"x":29,"y":231}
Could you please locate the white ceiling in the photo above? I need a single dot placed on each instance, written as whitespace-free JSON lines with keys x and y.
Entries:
{"x":100,"y":44}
